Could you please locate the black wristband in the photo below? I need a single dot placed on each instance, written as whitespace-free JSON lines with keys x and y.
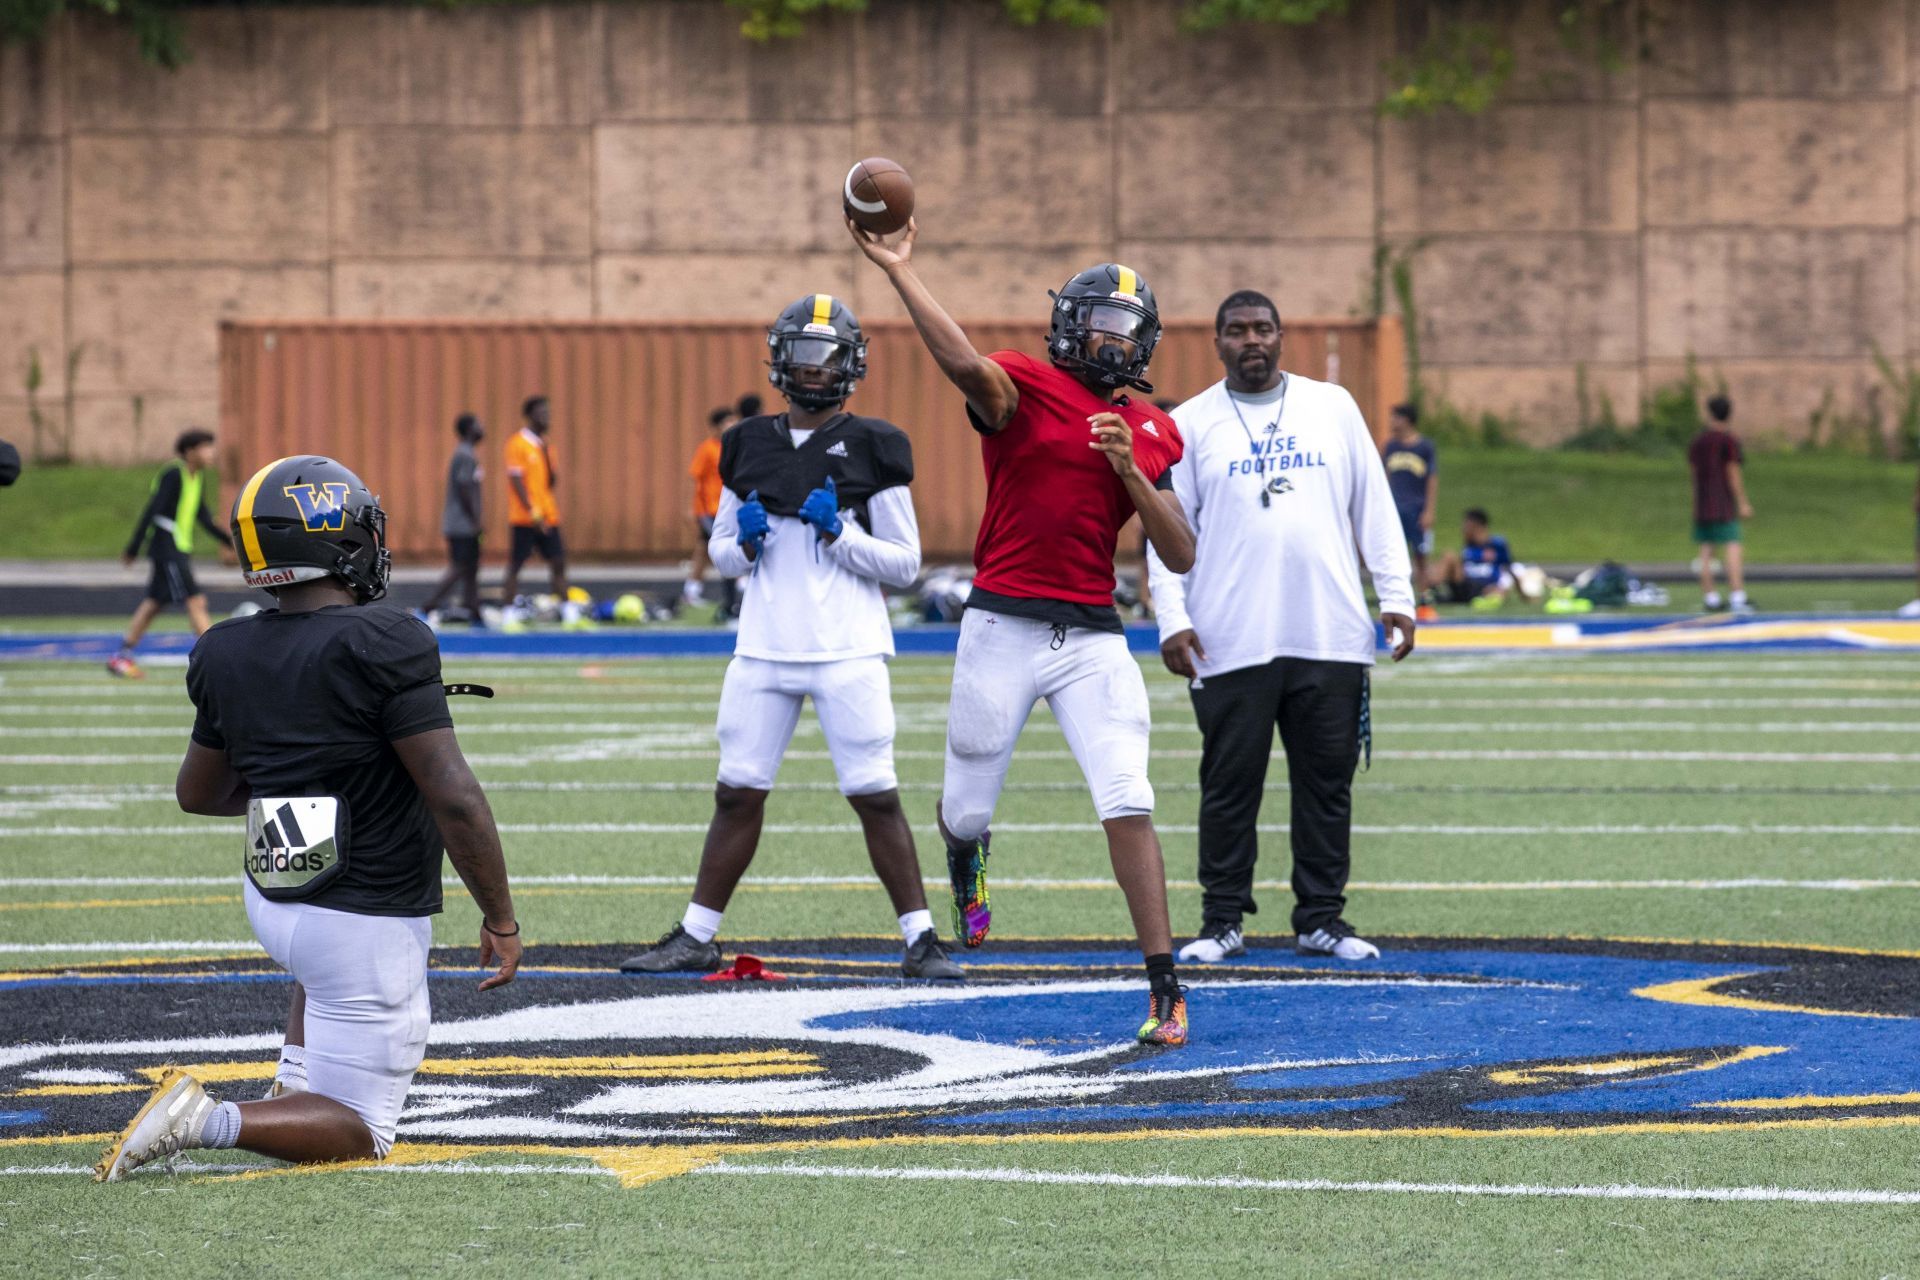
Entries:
{"x":487,"y":928}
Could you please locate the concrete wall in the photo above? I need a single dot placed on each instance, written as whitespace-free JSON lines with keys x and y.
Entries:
{"x":1744,"y":196}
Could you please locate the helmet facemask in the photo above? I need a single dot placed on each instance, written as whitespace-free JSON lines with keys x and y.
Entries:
{"x":816,"y":368}
{"x":1106,"y":341}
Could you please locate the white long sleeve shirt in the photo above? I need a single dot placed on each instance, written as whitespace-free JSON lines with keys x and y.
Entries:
{"x":805,"y":600}
{"x":1281,"y":580}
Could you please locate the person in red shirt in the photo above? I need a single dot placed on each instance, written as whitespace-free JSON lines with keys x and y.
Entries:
{"x":1720,"y":504}
{"x":1070,"y":458}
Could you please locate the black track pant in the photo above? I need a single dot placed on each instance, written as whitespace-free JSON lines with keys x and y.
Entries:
{"x":1316,"y":706}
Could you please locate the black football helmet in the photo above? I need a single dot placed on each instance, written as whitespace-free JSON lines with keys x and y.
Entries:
{"x":308,"y":517}
{"x":817,"y":332}
{"x":1109,"y":299}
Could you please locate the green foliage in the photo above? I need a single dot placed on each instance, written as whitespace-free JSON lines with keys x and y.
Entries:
{"x":155,"y":24}
{"x":1904,"y":382}
{"x":1208,"y":15}
{"x":1670,"y":416}
{"x":1069,"y":13}
{"x":784,"y":19}
{"x":1463,"y":66}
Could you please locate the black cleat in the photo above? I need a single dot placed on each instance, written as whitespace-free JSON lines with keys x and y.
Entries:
{"x":927,"y":958}
{"x":677,"y":952}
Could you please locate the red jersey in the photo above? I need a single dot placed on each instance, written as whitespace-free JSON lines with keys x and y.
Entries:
{"x":1054,"y":506}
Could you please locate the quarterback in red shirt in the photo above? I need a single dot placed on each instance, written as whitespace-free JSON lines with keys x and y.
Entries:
{"x":1070,"y":458}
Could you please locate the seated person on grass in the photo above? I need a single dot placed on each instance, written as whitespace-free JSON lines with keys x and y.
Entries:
{"x":1482,"y":570}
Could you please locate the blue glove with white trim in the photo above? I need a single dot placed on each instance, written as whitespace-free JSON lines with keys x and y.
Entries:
{"x":753,"y":524}
{"x":822,"y":510}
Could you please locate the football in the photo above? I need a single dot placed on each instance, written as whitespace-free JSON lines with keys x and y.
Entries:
{"x":878,"y":196}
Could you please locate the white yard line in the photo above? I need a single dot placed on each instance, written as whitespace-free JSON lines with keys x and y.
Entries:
{"x":1831,"y":885}
{"x":592,"y":751}
{"x":1169,"y":1181}
{"x":1149,"y":1181}
{"x":228,"y":829}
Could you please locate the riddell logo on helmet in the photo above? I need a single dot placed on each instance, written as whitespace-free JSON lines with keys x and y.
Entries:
{"x":1127,"y":297}
{"x":270,"y":577}
{"x":822,"y":328}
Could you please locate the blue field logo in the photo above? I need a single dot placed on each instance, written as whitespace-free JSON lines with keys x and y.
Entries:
{"x":1455,"y":1037}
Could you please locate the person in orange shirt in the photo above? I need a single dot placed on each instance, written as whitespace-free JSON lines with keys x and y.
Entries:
{"x":532,"y":512}
{"x":706,"y":500}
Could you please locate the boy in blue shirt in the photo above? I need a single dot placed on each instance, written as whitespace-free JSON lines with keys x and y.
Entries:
{"x":1480,"y":570}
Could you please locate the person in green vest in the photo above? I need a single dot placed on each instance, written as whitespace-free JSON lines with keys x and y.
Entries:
{"x":166,"y":530}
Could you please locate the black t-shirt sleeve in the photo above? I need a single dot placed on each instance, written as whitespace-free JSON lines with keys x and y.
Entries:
{"x":403,"y":669}
{"x":204,"y":731}
{"x":892,"y":459}
{"x":1164,"y":481}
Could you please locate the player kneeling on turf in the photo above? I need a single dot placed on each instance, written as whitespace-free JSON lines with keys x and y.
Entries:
{"x":814,"y":509}
{"x":325,"y":723}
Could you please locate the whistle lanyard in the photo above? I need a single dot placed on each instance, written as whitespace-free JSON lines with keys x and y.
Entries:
{"x":1267,"y":487}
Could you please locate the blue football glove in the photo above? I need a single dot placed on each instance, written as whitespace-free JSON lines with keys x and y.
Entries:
{"x":753,"y":523}
{"x":822,"y":510}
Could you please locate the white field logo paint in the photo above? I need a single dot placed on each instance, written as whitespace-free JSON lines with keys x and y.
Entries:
{"x":1489,"y":1037}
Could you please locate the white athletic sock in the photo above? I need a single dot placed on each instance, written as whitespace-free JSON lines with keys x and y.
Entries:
{"x":915,"y":923}
{"x":569,"y":612}
{"x":1712,"y":600}
{"x":702,"y":923}
{"x":222,"y":1128}
{"x":1738,"y":597}
{"x":293,"y":1066}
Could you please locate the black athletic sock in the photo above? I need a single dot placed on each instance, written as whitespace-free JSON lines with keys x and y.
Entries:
{"x":1160,"y":974}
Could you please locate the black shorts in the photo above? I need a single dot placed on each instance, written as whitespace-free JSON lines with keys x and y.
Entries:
{"x":527,"y":540}
{"x":172,"y":581}
{"x":1465,"y":591}
{"x":463,"y":551}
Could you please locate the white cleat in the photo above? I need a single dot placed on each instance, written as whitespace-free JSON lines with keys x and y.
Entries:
{"x":171,"y":1122}
{"x":1214,"y":946}
{"x":1339,"y":941}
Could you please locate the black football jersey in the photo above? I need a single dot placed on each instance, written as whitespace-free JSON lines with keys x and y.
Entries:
{"x":310,"y":704}
{"x":863,"y":455}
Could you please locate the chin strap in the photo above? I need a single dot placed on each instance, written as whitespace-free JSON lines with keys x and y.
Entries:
{"x":472,"y":690}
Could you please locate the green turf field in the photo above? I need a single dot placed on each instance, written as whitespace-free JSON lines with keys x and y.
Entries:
{"x":1760,"y":798}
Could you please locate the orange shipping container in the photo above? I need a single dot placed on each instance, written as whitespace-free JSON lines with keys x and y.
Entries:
{"x":630,"y":403}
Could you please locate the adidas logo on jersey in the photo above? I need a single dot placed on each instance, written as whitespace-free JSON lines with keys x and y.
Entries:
{"x":838,"y":449}
{"x":1150,"y":429}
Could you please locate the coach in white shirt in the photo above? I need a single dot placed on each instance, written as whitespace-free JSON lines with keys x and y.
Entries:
{"x":1281,"y":482}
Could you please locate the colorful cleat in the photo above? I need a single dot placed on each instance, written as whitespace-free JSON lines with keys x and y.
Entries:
{"x":124,"y":667}
{"x":967,"y":867}
{"x":1166,"y":1022}
{"x":170,"y":1122}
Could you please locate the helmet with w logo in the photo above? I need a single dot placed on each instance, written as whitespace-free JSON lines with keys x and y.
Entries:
{"x":305,"y":518}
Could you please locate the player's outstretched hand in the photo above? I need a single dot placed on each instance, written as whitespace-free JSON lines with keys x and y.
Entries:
{"x":878,"y":251}
{"x":1401,"y":623}
{"x":504,"y":947}
{"x":1179,"y":650}
{"x":1113,"y":437}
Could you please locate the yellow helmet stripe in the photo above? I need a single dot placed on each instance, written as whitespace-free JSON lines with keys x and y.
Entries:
{"x":822,"y":308}
{"x":243,"y":516}
{"x":1129,"y":282}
